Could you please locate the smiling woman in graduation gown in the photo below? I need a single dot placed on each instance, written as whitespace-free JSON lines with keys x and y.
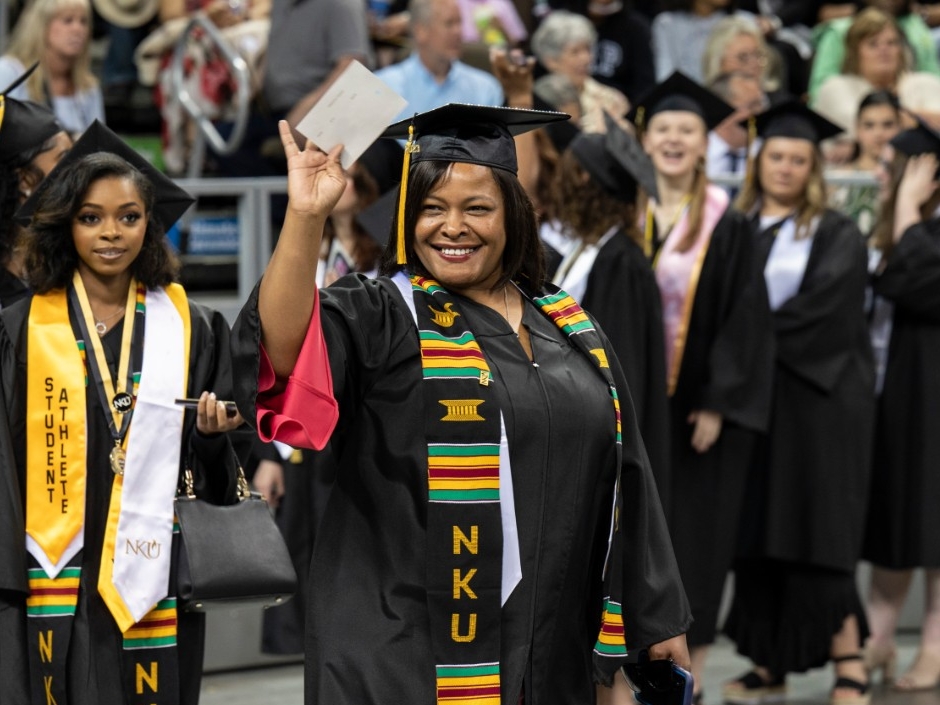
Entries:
{"x":88,"y":659}
{"x":377,"y":631}
{"x":717,"y":344}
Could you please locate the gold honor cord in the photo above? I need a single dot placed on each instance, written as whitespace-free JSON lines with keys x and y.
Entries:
{"x":651,"y":222}
{"x":120,"y":439}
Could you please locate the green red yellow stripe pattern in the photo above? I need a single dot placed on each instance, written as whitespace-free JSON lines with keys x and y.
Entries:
{"x":156,"y":630}
{"x":463,"y":472}
{"x":53,"y":597}
{"x":451,"y":358}
{"x":471,"y":684}
{"x":565,"y":312}
{"x":610,"y":641}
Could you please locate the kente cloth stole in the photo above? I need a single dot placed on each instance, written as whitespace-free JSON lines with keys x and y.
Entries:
{"x":677,"y":274}
{"x":464,"y":523}
{"x":56,"y":394}
{"x":610,"y":647}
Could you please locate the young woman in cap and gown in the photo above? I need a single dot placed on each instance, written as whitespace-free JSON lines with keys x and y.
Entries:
{"x":903,"y":531}
{"x":796,"y":605}
{"x":717,"y":343}
{"x":481,"y":489}
{"x":93,"y":446}
{"x":31,"y":142}
{"x":605,"y":270}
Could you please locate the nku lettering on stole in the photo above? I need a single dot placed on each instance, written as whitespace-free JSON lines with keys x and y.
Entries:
{"x":462,"y":583}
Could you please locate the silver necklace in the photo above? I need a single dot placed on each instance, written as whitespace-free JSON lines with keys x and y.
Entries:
{"x":101,"y":323}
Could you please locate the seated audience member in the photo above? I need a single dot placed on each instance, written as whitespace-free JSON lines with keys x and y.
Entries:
{"x":491,"y":22}
{"x":311,"y":43}
{"x":558,"y":91}
{"x":433,"y":74}
{"x":57,"y":34}
{"x":623,"y":54}
{"x":875,"y":60}
{"x":832,"y":43}
{"x":728,"y":142}
{"x":736,"y":45}
{"x":681,"y":32}
{"x":878,"y":121}
{"x":564,"y":44}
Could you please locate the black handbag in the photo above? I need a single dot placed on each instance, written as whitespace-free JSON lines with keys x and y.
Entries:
{"x":230,"y":555}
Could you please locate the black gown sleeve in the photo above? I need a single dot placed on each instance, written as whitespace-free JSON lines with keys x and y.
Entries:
{"x":655,"y":606}
{"x":911,"y":277}
{"x":740,"y":361}
{"x":12,"y":514}
{"x":813,"y":326}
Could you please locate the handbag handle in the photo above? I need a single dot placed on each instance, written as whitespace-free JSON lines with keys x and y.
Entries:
{"x":243,"y":491}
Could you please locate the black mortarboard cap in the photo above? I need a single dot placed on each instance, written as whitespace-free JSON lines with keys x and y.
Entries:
{"x":170,"y":201}
{"x":920,"y":139}
{"x":616,"y":161}
{"x":24,"y":125}
{"x":475,"y":134}
{"x":376,"y":218}
{"x":793,"y":119}
{"x":458,"y":132}
{"x":680,"y":93}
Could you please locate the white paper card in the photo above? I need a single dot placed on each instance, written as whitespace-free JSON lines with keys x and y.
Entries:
{"x":353,"y":111}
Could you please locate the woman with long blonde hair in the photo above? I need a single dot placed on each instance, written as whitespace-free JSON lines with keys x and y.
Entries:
{"x":796,"y":604}
{"x":717,"y":335}
{"x":56,"y":35}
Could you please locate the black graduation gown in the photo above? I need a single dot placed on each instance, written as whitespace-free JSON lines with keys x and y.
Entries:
{"x":727,"y":367}
{"x":809,"y":493}
{"x":11,"y":288}
{"x":368,"y":638}
{"x":622,"y":295}
{"x":903,"y":521}
{"x":94,"y":666}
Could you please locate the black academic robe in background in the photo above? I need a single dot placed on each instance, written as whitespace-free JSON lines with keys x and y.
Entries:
{"x":368,"y":636}
{"x":727,"y":367}
{"x":11,"y":288}
{"x":903,"y":518}
{"x":94,"y":667}
{"x":623,"y":296}
{"x":809,"y":494}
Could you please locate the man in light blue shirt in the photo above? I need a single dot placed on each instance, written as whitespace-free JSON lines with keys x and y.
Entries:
{"x":432,"y":75}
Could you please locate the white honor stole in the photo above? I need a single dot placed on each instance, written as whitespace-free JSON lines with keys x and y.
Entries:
{"x":145,"y":526}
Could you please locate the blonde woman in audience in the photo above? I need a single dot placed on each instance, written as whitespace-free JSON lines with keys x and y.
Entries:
{"x":57,"y":35}
{"x":736,"y":45}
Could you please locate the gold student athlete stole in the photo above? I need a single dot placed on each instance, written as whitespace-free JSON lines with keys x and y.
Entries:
{"x":465,"y":537}
{"x":59,"y":363}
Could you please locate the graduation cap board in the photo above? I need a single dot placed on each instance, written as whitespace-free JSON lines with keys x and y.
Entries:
{"x":170,"y":200}
{"x":921,"y":139}
{"x":792,"y":119}
{"x":24,"y":125}
{"x":458,"y":132}
{"x":616,"y":161}
{"x":680,"y":93}
{"x":376,"y":218}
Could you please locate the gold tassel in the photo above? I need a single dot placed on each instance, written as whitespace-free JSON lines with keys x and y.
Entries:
{"x":638,"y":120}
{"x":3,"y":107}
{"x":749,"y":158}
{"x":402,"y":256}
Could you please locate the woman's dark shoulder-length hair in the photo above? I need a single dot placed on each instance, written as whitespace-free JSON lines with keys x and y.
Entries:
{"x":51,"y":257}
{"x":523,"y":258}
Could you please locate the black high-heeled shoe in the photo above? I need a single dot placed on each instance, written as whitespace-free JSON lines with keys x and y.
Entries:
{"x":862,"y":690}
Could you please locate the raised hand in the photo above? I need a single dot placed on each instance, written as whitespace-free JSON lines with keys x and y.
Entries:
{"x":315,"y":180}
